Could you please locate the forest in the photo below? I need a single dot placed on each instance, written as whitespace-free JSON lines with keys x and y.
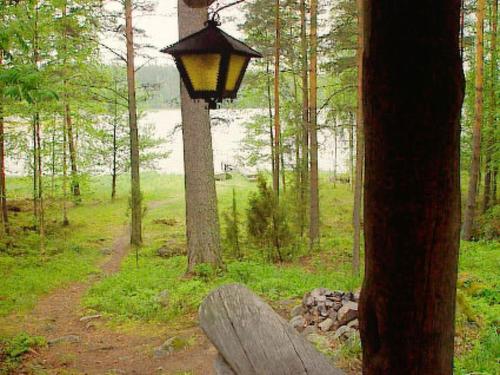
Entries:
{"x":124,"y":203}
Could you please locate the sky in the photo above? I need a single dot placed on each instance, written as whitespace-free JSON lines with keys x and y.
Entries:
{"x":161,"y":26}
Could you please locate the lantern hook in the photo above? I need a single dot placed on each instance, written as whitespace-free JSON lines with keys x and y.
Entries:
{"x":215,"y":15}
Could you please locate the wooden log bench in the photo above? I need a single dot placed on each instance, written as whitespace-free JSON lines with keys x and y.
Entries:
{"x":254,"y":340}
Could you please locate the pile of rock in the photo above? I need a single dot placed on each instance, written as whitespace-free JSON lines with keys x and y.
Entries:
{"x":327,"y":311}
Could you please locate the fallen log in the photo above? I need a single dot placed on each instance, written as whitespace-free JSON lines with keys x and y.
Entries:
{"x":253,"y":340}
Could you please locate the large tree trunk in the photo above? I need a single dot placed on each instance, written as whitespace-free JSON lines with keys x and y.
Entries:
{"x":202,"y":221}
{"x":314,"y":210}
{"x":277,"y":130}
{"x":491,"y":141}
{"x":413,"y":92}
{"x":305,"y":117}
{"x":470,"y":209}
{"x":360,"y":151}
{"x":136,"y":232}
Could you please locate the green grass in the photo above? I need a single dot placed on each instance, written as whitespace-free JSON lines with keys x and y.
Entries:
{"x":131,"y":295}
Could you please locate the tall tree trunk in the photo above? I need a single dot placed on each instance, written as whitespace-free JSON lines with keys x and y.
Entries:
{"x":350,"y":130}
{"x":39,"y":169}
{"x":65,"y":169}
{"x":115,"y":147}
{"x":491,"y":141}
{"x":305,"y":117}
{"x":53,"y":159}
{"x":314,"y":210}
{"x":35,"y":172}
{"x":277,"y":129}
{"x":271,"y":117}
{"x":136,"y":232}
{"x":115,"y":169}
{"x":4,"y":218}
{"x":75,"y":184}
{"x":412,"y":96}
{"x":360,"y":151}
{"x":478,"y":121}
{"x":202,"y":221}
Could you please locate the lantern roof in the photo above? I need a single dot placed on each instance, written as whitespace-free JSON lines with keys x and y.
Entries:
{"x":209,"y":40}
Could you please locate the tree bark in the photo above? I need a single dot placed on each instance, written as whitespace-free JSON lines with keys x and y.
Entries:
{"x":65,"y":169}
{"x":270,"y":112}
{"x":413,"y":92}
{"x":75,"y":184}
{"x":277,"y":130}
{"x":360,"y":151}
{"x":115,"y":149}
{"x":202,"y":221}
{"x":305,"y":118}
{"x":136,"y":232}
{"x":4,"y":217}
{"x":470,"y":209}
{"x":39,"y":169}
{"x":314,"y":210}
{"x":491,"y":141}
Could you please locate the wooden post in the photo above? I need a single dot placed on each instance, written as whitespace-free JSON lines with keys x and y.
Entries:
{"x":413,"y":92}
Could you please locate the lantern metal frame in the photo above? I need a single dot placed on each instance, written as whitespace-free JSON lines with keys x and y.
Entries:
{"x":212,"y":40}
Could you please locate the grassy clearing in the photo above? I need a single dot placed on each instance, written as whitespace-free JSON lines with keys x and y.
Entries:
{"x":72,"y":253}
{"x":133,"y":295}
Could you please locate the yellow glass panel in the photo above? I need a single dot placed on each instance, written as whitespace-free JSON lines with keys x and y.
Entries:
{"x":203,"y":70}
{"x":236,"y":64}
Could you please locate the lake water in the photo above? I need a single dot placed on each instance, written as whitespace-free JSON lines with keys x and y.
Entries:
{"x":228,"y":131}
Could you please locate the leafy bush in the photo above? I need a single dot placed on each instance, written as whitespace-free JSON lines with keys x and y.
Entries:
{"x":12,"y":350}
{"x":488,"y":224}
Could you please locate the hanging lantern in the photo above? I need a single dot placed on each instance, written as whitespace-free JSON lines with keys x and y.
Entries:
{"x":211,"y":63}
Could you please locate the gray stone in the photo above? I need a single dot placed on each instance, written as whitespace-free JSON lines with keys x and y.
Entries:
{"x":296,"y":311}
{"x":332,"y":314}
{"x":89,"y":318}
{"x":308,"y":300}
{"x":323,"y":310}
{"x":348,"y":312}
{"x":319,"y":292}
{"x":167,"y":348}
{"x":321,"y":299}
{"x":337,"y":306}
{"x":354,"y":324}
{"x":298,"y":322}
{"x":164,"y":298}
{"x":326,"y":325}
{"x":69,"y":339}
{"x":339,"y":333}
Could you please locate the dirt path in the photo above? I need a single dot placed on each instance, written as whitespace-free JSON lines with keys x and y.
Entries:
{"x":90,"y":347}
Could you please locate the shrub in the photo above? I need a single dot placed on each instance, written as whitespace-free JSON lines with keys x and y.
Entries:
{"x":232,"y":237}
{"x":267,"y":222}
